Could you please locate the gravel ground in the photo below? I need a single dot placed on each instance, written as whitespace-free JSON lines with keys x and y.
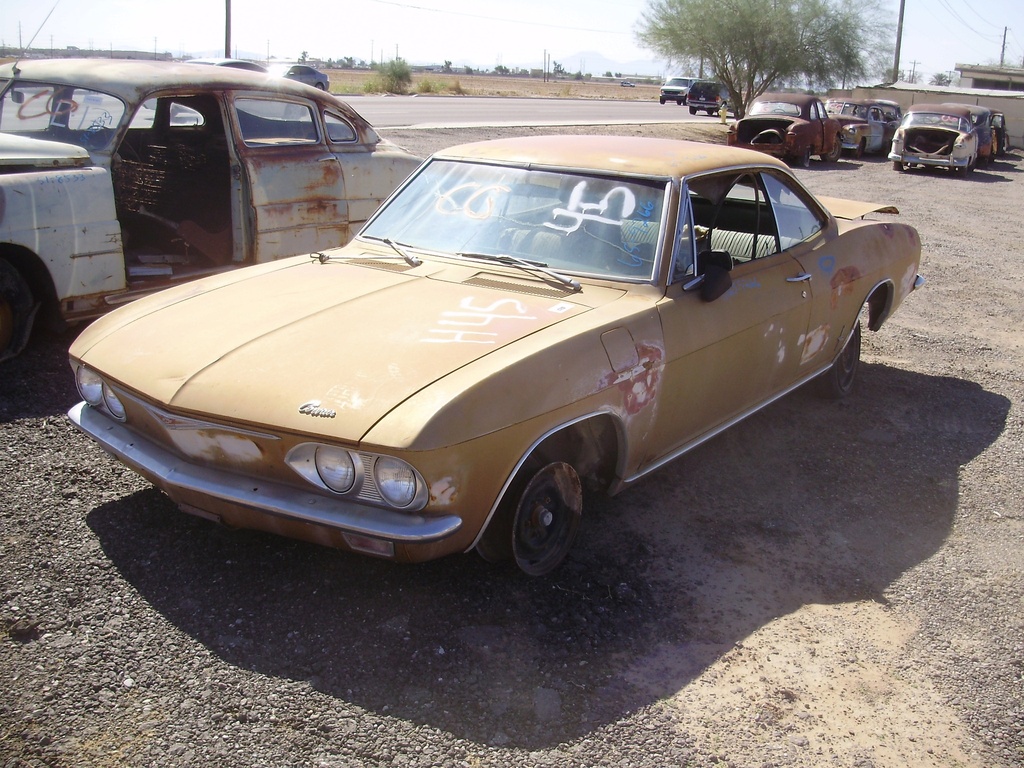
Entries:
{"x":825,"y":584}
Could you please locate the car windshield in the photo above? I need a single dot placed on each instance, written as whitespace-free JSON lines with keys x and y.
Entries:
{"x":574,"y":223}
{"x":936,"y":120}
{"x":63,"y":113}
{"x":774,"y":108}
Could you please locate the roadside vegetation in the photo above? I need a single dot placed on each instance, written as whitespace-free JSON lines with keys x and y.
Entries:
{"x":753,"y":46}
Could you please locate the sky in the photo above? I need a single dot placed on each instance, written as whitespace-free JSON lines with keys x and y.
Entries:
{"x":937,"y":35}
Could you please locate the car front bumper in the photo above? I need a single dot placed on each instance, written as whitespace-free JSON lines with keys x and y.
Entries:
{"x":243,"y":501}
{"x":937,"y":162}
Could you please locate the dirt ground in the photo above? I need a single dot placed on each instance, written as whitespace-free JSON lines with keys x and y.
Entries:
{"x":824,"y":584}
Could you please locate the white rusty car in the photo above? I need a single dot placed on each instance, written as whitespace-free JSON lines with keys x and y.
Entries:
{"x":524,"y":319}
{"x":937,"y":136}
{"x":123,"y":177}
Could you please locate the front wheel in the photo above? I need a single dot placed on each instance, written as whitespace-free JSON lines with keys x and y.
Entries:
{"x":539,"y":524}
{"x":837,"y":382}
{"x":17,"y":311}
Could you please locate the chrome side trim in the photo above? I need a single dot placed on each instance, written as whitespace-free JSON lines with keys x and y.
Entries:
{"x":168,"y":472}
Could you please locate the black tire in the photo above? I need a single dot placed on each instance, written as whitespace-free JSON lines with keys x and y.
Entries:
{"x":838,"y":381}
{"x":17,"y":311}
{"x":680,"y":102}
{"x":537,"y":522}
{"x":661,"y":100}
{"x":693,"y":110}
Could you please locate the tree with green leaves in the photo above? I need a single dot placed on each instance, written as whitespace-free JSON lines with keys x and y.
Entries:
{"x":752,"y":46}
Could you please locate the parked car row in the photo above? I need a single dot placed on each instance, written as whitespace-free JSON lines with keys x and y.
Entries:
{"x":521,"y":323}
{"x":795,"y":127}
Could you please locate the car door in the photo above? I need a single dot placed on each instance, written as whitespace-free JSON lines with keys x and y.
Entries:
{"x":725,"y":357}
{"x":293,"y":182}
{"x":877,"y":126}
{"x":371,"y":170}
{"x":803,"y":229}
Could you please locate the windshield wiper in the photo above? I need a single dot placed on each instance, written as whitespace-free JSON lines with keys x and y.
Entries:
{"x":527,"y":264}
{"x":411,"y":260}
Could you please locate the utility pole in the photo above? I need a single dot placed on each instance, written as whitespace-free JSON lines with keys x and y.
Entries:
{"x":899,"y":43}
{"x":227,"y":29}
{"x":1002,"y":54}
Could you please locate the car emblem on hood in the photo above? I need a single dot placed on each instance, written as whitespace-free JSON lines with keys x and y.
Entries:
{"x":312,"y":408}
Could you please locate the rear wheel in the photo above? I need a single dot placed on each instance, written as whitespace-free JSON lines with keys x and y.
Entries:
{"x":17,"y":311}
{"x":693,"y":110}
{"x":837,"y":150}
{"x":837,"y":382}
{"x":805,"y":158}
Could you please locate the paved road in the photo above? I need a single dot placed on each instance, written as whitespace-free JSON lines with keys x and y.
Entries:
{"x":461,"y":111}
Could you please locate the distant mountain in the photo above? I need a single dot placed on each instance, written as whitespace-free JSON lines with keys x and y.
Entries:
{"x":594,"y":63}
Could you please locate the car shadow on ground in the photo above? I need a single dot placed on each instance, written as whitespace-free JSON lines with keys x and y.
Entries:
{"x":807,"y":502}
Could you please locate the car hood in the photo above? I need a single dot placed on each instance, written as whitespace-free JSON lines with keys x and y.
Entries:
{"x":284,"y":346}
{"x":22,"y":151}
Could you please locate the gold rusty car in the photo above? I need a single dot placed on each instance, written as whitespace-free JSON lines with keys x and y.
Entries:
{"x":523,"y":319}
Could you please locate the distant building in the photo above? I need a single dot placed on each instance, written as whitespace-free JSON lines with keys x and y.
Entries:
{"x":991,"y":78}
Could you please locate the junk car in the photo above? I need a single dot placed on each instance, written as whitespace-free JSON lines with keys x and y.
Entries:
{"x":790,"y":126}
{"x":123,"y":177}
{"x":936,"y":136}
{"x":526,"y":322}
{"x":868,"y":125}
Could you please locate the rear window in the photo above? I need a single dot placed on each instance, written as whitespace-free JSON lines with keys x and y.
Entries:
{"x":61,"y":113}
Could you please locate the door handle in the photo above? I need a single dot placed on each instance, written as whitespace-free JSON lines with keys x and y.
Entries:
{"x":799,"y":278}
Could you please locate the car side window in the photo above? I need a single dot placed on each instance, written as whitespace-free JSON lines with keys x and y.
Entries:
{"x":731,"y":213}
{"x":339,"y":130}
{"x":796,"y":219}
{"x":269,"y":122}
{"x":683,"y":252}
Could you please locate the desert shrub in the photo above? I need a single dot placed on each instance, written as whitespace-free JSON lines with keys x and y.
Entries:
{"x":428,"y":86}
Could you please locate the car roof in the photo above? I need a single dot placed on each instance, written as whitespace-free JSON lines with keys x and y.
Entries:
{"x":131,"y":78}
{"x":639,"y":155}
{"x":789,"y":98}
{"x":960,"y":110}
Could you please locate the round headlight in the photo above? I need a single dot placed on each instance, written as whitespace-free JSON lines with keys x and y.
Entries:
{"x":396,"y":481}
{"x":90,"y":386}
{"x":336,"y":468}
{"x":114,"y":405}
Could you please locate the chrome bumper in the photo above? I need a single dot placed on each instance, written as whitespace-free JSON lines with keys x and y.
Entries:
{"x":171,"y":473}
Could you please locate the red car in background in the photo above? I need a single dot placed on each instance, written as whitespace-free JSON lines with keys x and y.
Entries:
{"x":790,"y":126}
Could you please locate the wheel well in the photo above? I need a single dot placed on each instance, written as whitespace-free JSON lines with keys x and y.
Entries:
{"x":590,"y":445}
{"x":879,"y":305}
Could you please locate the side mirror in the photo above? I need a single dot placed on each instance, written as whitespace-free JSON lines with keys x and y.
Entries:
{"x":717,"y":281}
